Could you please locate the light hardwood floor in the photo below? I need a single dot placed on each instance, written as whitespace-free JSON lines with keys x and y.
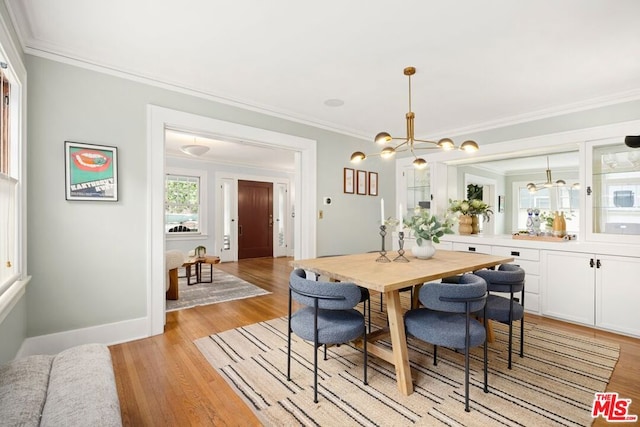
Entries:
{"x":165,"y":381}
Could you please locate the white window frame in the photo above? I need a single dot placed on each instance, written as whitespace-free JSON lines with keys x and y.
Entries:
{"x":12,"y":287}
{"x":203,"y":218}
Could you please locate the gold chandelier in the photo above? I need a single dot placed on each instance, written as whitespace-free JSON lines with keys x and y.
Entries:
{"x":409,"y":142}
{"x":549,"y":183}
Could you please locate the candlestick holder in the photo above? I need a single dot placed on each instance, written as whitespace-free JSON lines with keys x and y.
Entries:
{"x":401,"y":257}
{"x":383,"y":252}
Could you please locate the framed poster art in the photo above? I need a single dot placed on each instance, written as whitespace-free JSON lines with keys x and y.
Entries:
{"x":349,"y":180}
{"x":373,"y":183}
{"x":91,"y":172}
{"x":362,"y":182}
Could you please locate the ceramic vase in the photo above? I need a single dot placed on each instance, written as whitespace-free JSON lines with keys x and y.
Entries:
{"x":464,"y":224}
{"x":475,"y":228}
{"x":424,"y":250}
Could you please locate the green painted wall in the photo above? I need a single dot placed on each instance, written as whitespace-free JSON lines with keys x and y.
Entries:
{"x":88,"y":259}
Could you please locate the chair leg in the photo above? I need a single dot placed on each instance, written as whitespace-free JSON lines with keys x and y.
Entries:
{"x":368,"y":304}
{"x":289,"y":340}
{"x":325,"y":352}
{"x":486,"y":374}
{"x":510,"y":341}
{"x":289,"y":354}
{"x":466,"y":369}
{"x":435,"y":355}
{"x":522,"y":337}
{"x":522,"y":326}
{"x":366,"y":382}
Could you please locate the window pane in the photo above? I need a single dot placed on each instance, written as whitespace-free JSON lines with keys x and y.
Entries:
{"x":538,"y":200}
{"x":548,"y":201}
{"x":182,"y":203}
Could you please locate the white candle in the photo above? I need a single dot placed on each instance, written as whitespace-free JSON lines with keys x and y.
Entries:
{"x":400,"y":218}
{"x":381,"y":211}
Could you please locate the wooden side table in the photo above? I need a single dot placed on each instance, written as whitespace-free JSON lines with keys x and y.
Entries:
{"x":206,"y":260}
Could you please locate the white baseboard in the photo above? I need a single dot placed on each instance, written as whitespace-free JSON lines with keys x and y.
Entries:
{"x":112,"y":333}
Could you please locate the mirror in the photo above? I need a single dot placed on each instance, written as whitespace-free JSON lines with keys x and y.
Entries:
{"x":504,"y":182}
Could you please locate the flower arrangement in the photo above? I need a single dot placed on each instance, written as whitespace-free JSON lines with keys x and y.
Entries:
{"x":471,"y":207}
{"x":426,"y":226}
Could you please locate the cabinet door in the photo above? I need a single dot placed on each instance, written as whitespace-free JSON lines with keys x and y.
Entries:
{"x":613,"y":192}
{"x":568,"y":286}
{"x":617,"y":294}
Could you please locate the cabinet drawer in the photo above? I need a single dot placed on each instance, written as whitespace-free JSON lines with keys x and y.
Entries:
{"x":517,"y":253}
{"x":469,"y":247}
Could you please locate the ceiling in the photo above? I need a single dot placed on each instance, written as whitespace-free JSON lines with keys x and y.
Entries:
{"x":480,"y":64}
{"x":230,"y":152}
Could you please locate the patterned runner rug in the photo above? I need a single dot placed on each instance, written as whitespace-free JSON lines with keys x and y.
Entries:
{"x":224,"y":287}
{"x":553,"y":385}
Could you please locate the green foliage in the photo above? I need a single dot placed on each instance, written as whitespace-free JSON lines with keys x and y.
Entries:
{"x":474,"y":191}
{"x":181,"y":196}
{"x":471,"y":207}
{"x":426,"y":226}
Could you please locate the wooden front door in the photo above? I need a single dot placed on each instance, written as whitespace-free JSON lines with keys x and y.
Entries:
{"x":255,"y":219}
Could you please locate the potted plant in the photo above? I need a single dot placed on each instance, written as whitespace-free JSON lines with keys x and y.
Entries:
{"x":463,"y":209}
{"x":469,"y":211}
{"x":480,"y":208}
{"x":427,"y":229}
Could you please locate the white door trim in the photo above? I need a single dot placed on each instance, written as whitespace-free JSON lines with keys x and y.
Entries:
{"x":159,"y":119}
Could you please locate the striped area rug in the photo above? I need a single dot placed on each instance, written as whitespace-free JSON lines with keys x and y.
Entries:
{"x":553,"y":385}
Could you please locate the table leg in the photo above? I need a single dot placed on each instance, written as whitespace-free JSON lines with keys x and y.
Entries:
{"x":415,"y":301}
{"x":199,"y":272}
{"x":188,"y":271}
{"x":399,"y":343}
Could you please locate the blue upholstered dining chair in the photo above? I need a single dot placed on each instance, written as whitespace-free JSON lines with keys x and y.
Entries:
{"x":508,"y":279}
{"x":327,"y":317}
{"x":365,"y":297}
{"x":447,"y":320}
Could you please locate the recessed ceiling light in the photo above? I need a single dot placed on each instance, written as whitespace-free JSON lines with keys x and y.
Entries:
{"x":334,"y":102}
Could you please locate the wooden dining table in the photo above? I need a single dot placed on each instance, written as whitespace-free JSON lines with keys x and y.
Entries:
{"x":388,"y":278}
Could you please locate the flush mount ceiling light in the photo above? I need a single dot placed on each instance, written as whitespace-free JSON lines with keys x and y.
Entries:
{"x":409,"y":142}
{"x":549,"y":182}
{"x":194,"y":149}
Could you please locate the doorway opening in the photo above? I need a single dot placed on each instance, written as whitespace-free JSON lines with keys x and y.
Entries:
{"x":160,"y":119}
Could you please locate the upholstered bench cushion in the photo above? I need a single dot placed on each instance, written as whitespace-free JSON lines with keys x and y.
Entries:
{"x":23,"y":390}
{"x":82,"y":389}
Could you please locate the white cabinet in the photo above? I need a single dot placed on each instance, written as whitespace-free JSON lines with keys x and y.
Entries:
{"x":592,"y":289}
{"x":568,"y":286}
{"x":529,"y":260}
{"x":618,"y":293}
